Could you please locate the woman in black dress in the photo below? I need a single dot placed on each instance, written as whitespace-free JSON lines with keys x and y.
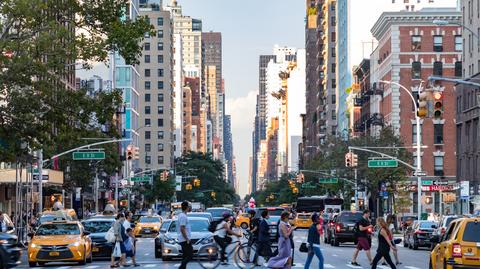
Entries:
{"x":384,"y":244}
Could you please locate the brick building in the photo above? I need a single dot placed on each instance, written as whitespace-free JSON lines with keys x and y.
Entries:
{"x":410,"y":49}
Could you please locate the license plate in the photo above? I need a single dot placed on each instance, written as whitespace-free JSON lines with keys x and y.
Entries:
{"x":54,"y":253}
{"x":147,"y":230}
{"x":478,"y":245}
{"x":95,"y":250}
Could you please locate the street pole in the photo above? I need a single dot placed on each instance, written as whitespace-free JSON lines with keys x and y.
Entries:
{"x":116,"y":190}
{"x":40,"y":180}
{"x":128,"y":184}
{"x":96,"y":191}
{"x":356,"y":189}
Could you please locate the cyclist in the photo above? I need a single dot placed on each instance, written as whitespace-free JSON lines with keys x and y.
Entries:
{"x":221,"y":235}
{"x":254,"y":223}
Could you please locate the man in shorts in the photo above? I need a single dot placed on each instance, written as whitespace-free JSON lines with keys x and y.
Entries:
{"x":364,"y":229}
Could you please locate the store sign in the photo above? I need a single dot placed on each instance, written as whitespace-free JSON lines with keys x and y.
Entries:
{"x":435,"y":188}
{"x":465,"y":189}
{"x":449,"y":197}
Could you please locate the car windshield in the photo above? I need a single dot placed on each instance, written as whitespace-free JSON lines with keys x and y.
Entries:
{"x":274,"y":219}
{"x":97,"y":226}
{"x":427,"y":225}
{"x":218,"y":212}
{"x":275,"y":212}
{"x":472,"y":230}
{"x":449,"y":220}
{"x":149,"y":219}
{"x":58,"y":229}
{"x":350,"y":217}
{"x":195,"y":226}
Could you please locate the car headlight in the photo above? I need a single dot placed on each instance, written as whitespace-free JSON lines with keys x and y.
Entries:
{"x":170,"y":240}
{"x":76,"y":244}
{"x":155,"y":227}
{"x":207,"y":240}
{"x":33,"y":245}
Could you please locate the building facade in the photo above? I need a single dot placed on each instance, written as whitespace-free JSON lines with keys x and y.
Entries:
{"x":410,"y":49}
{"x":344,"y":75}
{"x":156,"y":92}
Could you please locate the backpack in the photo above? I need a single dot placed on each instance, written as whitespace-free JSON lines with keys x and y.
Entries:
{"x":212,"y":227}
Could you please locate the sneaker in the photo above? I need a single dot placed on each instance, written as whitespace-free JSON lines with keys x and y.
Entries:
{"x":355,"y":263}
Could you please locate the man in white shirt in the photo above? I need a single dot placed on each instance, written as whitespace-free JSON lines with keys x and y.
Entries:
{"x":184,"y":235}
{"x":128,"y":218}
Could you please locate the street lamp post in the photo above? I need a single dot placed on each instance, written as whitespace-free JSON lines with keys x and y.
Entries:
{"x":419,"y":156}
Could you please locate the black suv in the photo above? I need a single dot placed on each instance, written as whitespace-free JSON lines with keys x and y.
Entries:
{"x":9,"y":252}
{"x":344,"y":226}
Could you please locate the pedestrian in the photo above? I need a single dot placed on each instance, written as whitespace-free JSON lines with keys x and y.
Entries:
{"x":264,"y":248}
{"x":363,"y":229}
{"x":395,"y":251}
{"x":184,"y":235}
{"x":120,"y":237}
{"x":221,"y":235}
{"x":384,"y":244}
{"x":284,"y":256}
{"x":313,"y":240}
{"x":128,"y":218}
{"x":130,"y":247}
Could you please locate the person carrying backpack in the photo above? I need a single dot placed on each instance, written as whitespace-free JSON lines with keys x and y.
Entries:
{"x":363,"y":228}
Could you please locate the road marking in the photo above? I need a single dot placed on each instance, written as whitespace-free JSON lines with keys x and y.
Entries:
{"x":92,"y":266}
{"x":411,"y":267}
{"x":328,"y":266}
{"x":176,"y":265}
{"x":147,"y":254}
{"x":150,"y":265}
{"x":383,"y":267}
{"x":353,"y":266}
{"x":334,"y":255}
{"x":298,"y":265}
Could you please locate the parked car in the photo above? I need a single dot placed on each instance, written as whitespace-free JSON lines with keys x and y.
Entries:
{"x":98,"y":228}
{"x":9,"y":252}
{"x":167,"y":246}
{"x":343,"y":231}
{"x":442,"y":226}
{"x":406,"y":221}
{"x":419,"y":234}
{"x":459,"y":247}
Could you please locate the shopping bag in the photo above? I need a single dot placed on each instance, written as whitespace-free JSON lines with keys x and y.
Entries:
{"x":110,"y":236}
{"x":117,"y":251}
{"x":303,"y":247}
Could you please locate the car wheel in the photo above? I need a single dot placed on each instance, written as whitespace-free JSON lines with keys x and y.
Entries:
{"x":244,"y":225}
{"x":84,"y":258}
{"x":158,"y":253}
{"x":32,"y":264}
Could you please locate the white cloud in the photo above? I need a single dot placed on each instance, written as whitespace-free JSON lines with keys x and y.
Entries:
{"x":242,"y":110}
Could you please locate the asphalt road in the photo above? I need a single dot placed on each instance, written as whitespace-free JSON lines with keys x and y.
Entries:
{"x":335,"y":257}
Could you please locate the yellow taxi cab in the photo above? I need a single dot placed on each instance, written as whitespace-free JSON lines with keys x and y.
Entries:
{"x":303,"y":220}
{"x":148,"y":225}
{"x":243,"y":221}
{"x":459,"y":247}
{"x":59,"y":241}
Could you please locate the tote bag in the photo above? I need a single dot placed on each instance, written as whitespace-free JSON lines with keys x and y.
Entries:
{"x":117,"y":251}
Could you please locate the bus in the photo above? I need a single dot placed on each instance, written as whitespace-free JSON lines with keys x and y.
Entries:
{"x":319,"y":204}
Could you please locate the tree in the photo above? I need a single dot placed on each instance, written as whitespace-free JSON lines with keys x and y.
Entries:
{"x":160,"y":190}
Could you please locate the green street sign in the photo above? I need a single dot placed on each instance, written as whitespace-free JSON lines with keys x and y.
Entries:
{"x":88,"y":155}
{"x":328,"y":180}
{"x":427,"y":182}
{"x":141,"y":179}
{"x":308,"y":186}
{"x":382,"y":163}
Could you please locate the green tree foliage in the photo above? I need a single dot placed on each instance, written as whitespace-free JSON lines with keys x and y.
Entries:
{"x":159,"y":190}
{"x":210,"y":172}
{"x":275,"y":193}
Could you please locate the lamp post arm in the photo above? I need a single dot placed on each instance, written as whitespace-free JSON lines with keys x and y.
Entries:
{"x":455,"y":80}
{"x":383,"y":155}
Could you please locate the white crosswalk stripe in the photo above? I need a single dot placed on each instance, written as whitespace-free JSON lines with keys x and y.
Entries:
{"x":298,"y":265}
{"x":150,"y":265}
{"x":411,"y":267}
{"x":328,"y":266}
{"x":92,"y":266}
{"x":383,"y":267}
{"x":353,"y":266}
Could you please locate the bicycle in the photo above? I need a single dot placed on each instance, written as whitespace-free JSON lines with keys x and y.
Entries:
{"x":209,"y":256}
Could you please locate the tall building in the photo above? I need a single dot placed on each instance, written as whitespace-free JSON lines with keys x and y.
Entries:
{"x":468,"y":112}
{"x":410,"y":49}
{"x":212,"y":54}
{"x":344,"y":76}
{"x":156,"y":93}
{"x":228,"y":149}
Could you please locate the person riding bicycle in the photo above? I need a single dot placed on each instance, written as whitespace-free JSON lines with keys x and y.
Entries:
{"x":254,"y":223}
{"x":221,"y":235}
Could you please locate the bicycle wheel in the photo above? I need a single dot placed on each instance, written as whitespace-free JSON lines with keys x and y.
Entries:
{"x":209,"y":256}
{"x":245,"y":255}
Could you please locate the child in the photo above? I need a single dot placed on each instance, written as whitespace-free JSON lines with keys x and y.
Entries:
{"x":130,"y":247}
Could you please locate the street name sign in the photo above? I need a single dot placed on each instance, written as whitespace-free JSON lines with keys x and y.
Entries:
{"x":427,"y":182}
{"x":328,"y":180}
{"x":382,"y":163}
{"x":141,"y":179}
{"x":88,"y":155}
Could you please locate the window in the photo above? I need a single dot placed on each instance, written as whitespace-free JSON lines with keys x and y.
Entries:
{"x":334,"y":68}
{"x":160,"y":122}
{"x":334,"y":83}
{"x":160,"y":59}
{"x":147,"y":73}
{"x":147,"y":134}
{"x":147,"y":85}
{"x":160,"y":146}
{"x":160,"y":110}
{"x":160,"y":72}
{"x":147,"y":97}
{"x":334,"y":99}
{"x":160,"y":33}
{"x":148,"y":159}
{"x":458,"y":69}
{"x":437,"y":68}
{"x":148,"y":147}
{"x":146,"y":58}
{"x":416,"y":70}
{"x":416,"y":42}
{"x":160,"y":85}
{"x":437,"y":43}
{"x":160,"y":45}
{"x":334,"y":37}
{"x":160,"y":135}
{"x":147,"y":110}
{"x":334,"y":115}
{"x":334,"y":53}
{"x":146,"y":46}
{"x":160,"y":97}
{"x":160,"y":160}
{"x":414,"y":134}
{"x":458,"y":43}
{"x":438,"y":133}
{"x":438,"y":166}
{"x":147,"y":122}
{"x":160,"y":21}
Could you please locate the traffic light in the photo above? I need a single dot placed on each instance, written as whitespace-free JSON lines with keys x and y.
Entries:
{"x":196,"y":182}
{"x":348,"y":159}
{"x":300,"y":178}
{"x":188,"y":187}
{"x":295,"y":190}
{"x":437,"y":104}
{"x":422,"y":105}
{"x":124,"y":203}
{"x":213,"y":194}
{"x":164,"y":175}
{"x":354,"y":160}
{"x":129,"y":152}
{"x":136,"y":153}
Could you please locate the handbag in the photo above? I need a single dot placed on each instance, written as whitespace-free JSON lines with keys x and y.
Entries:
{"x":117,"y":251}
{"x":397,"y":241}
{"x":110,"y":236}
{"x":303,"y":247}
